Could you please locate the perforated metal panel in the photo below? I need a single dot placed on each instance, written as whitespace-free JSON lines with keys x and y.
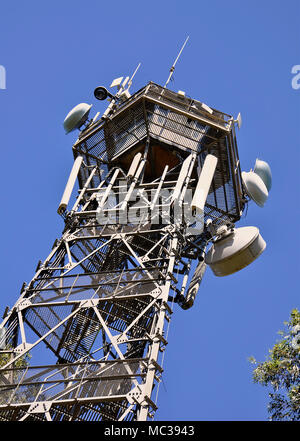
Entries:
{"x":179,"y":124}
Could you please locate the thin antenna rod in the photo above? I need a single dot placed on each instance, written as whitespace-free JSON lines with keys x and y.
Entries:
{"x":173,"y":66}
{"x":133,"y":75}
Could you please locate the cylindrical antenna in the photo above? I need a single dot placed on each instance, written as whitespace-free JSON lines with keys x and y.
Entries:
{"x":70,"y":185}
{"x":173,"y":66}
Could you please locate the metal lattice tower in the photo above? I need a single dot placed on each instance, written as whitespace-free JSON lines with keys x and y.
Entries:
{"x":99,"y":305}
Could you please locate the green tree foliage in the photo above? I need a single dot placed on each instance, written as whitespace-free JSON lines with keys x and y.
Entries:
{"x":281,"y":371}
{"x":13,"y":377}
{"x":20,"y":363}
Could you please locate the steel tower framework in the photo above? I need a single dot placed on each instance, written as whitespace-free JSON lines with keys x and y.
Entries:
{"x":102,"y":300}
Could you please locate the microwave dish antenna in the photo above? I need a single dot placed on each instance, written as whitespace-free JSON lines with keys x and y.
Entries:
{"x":255,"y":188}
{"x":77,"y":117}
{"x":234,"y":250}
{"x":263,"y":170}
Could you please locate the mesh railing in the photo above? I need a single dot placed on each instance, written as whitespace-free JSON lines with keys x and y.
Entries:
{"x":66,"y":382}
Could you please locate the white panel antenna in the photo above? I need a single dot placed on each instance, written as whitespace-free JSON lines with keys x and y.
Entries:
{"x":207,"y":108}
{"x":134,"y":165}
{"x":182,"y":176}
{"x":70,"y":185}
{"x":116,"y":82}
{"x":239,"y":120}
{"x":204,"y":183}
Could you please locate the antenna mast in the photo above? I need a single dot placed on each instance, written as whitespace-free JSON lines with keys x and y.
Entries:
{"x":96,"y":314}
{"x":173,"y":66}
{"x":133,"y":75}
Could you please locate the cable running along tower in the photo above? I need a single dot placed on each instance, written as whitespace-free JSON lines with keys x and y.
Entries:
{"x":160,"y":191}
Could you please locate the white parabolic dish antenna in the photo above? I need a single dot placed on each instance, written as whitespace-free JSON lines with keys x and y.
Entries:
{"x":263,"y":170}
{"x":77,"y":117}
{"x":255,"y":187}
{"x":234,"y":251}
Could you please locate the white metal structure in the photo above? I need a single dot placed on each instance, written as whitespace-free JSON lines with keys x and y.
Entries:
{"x":95,"y":314}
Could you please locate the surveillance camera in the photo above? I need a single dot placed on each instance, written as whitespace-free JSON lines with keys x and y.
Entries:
{"x":101,"y":93}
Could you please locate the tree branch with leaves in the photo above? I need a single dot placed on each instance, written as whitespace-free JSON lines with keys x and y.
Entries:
{"x":281,"y":371}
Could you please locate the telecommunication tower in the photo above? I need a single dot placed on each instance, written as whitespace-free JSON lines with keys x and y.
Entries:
{"x":160,"y":191}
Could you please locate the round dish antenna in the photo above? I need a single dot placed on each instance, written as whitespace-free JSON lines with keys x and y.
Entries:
{"x":234,"y":250}
{"x":77,"y":117}
{"x":263,"y":170}
{"x":255,"y":187}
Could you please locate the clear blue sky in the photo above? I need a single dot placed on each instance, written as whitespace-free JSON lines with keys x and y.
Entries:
{"x":238,"y":59}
